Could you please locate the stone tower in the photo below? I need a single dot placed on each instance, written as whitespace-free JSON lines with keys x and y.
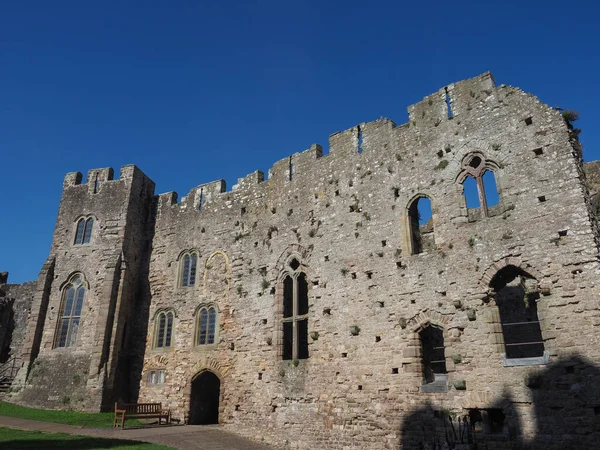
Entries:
{"x":75,"y":351}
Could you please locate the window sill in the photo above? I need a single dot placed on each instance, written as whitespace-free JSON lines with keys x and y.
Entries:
{"x":439,"y":386}
{"x":533,"y":361}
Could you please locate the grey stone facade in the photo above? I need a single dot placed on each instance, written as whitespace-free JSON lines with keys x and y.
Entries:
{"x":375,"y":282}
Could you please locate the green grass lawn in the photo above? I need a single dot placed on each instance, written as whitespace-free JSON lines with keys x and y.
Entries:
{"x":19,"y":439}
{"x":96,"y":420}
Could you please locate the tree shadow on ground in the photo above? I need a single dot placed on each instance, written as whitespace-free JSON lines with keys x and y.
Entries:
{"x":565,"y":406}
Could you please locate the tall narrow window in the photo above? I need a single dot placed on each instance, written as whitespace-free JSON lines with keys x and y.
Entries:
{"x":70,"y":315}
{"x":83,"y":235}
{"x":360,"y":140}
{"x":433,"y":355}
{"x":479,"y":186}
{"x":420,"y":220}
{"x":516,"y":298}
{"x":206,"y":326}
{"x":163,"y":329}
{"x":188,"y":267}
{"x":295,"y":313}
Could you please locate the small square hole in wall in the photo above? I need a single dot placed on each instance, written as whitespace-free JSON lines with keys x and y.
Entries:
{"x":260,"y":376}
{"x":542,"y":198}
{"x":326,"y":258}
{"x":360,"y":387}
{"x":273,"y":290}
{"x":377,"y":338}
{"x":353,"y":275}
{"x":562,"y":233}
{"x":528,"y":121}
{"x":315,"y":282}
{"x":290,"y":212}
{"x":237,"y":407}
{"x":395,"y":370}
{"x":440,"y":153}
{"x":273,"y":408}
{"x":383,"y":243}
{"x":396,"y":192}
{"x":538,"y":151}
{"x":443,"y":293}
{"x":326,"y":311}
{"x":264,"y":321}
{"x":243,"y":211}
{"x":413,"y":301}
{"x":369,"y":275}
{"x":344,"y":355}
{"x":381,"y":304}
{"x":398,"y":264}
{"x":256,"y":244}
{"x":337,"y":193}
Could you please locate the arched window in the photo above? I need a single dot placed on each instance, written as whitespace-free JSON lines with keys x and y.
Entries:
{"x":83,"y":234}
{"x":420,"y":218}
{"x":516,"y":297}
{"x":295,"y":312}
{"x":433,"y":354}
{"x":163,"y":329}
{"x":188,"y":269}
{"x":479,"y":186}
{"x":206,"y":327}
{"x":70,"y":312}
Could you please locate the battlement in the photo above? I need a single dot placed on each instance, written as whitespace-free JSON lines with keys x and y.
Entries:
{"x":97,"y":178}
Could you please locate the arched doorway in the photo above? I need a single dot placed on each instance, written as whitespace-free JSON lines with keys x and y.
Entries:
{"x":204,"y":399}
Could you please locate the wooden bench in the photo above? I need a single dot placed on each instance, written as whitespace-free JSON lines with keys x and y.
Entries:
{"x":140,"y":411}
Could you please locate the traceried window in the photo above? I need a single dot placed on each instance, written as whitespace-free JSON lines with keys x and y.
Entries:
{"x":188,"y":269}
{"x":479,"y":186}
{"x":70,"y":312}
{"x":207,"y":325}
{"x":83,"y":235}
{"x":295,"y":312}
{"x":163,"y":329}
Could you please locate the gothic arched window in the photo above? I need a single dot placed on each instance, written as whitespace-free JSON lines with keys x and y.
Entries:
{"x":83,"y":235}
{"x":295,"y":312}
{"x":70,"y":312}
{"x":188,"y":269}
{"x":479,"y":185}
{"x":207,"y":325}
{"x":163,"y":329}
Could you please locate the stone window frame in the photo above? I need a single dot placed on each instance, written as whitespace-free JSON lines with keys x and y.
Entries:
{"x":156,"y":373}
{"x":193,"y":269}
{"x":80,"y":230}
{"x":477,"y":173}
{"x":197,"y":326}
{"x":156,"y":330}
{"x":408,"y":227}
{"x":493,"y":316}
{"x":295,"y":318}
{"x":72,"y":316}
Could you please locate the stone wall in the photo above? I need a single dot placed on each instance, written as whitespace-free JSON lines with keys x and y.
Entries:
{"x":15,"y":304}
{"x":345,"y":222}
{"x":344,"y":216}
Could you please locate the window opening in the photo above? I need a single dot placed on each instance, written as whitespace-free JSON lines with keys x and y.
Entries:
{"x":432,"y":351}
{"x":448,"y":103}
{"x":295,"y":314}
{"x":420,"y":218}
{"x":156,"y":377}
{"x":207,"y":326}
{"x":487,"y":421}
{"x":87,"y":235}
{"x":489,"y":187}
{"x":96,"y":184}
{"x":516,"y":298}
{"x":164,"y":330}
{"x":73,"y":297}
{"x":201,"y":202}
{"x":360,"y":140}
{"x":291,"y":170}
{"x":188,"y":272}
{"x":83,"y":234}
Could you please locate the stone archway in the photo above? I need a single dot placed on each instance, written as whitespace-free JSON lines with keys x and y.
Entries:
{"x":204,"y":399}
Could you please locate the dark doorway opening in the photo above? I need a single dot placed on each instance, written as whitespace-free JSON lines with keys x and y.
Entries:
{"x":204,"y":401}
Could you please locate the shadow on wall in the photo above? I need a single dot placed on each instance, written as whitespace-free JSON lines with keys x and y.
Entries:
{"x":565,"y":407}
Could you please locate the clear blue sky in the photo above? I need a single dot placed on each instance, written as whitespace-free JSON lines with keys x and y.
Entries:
{"x":194,"y":91}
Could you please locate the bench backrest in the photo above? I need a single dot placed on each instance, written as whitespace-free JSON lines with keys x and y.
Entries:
{"x":139,"y":408}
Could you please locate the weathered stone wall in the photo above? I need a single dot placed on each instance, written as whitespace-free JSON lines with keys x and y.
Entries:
{"x":15,"y":304}
{"x":344,"y":216}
